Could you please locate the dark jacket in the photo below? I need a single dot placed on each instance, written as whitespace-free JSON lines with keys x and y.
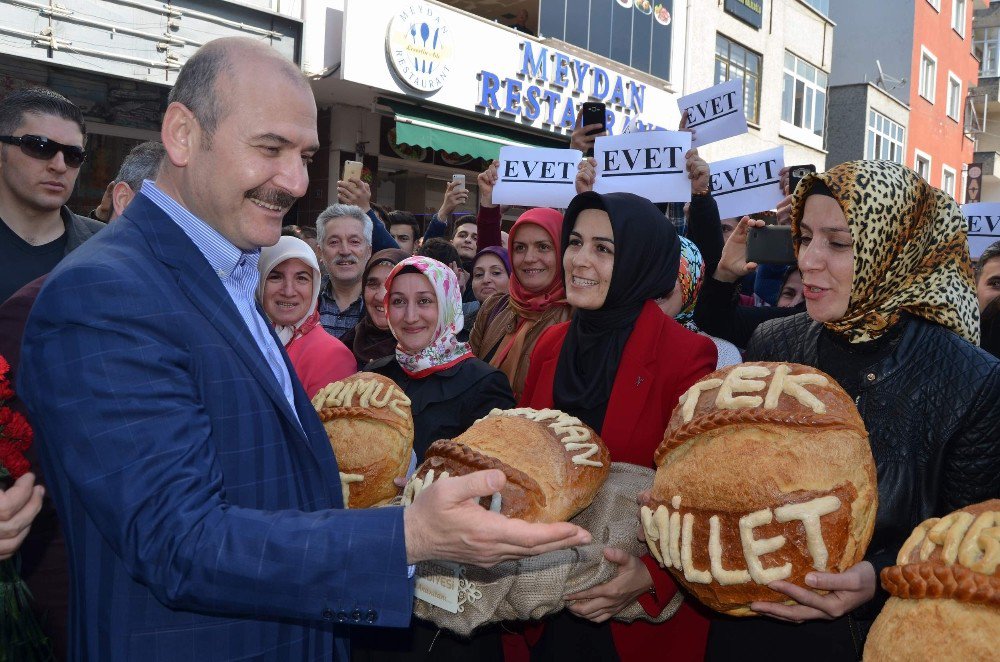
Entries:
{"x":933,"y":420}
{"x":446,"y":403}
{"x":78,"y":228}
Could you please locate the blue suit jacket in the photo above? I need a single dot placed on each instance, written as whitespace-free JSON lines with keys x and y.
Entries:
{"x":201,"y":522}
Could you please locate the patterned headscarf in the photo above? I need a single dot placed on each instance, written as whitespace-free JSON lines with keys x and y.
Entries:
{"x":910,"y":250}
{"x":689,"y":279}
{"x":445,"y":350}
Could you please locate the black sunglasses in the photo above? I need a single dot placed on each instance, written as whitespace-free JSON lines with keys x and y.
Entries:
{"x":43,"y":148}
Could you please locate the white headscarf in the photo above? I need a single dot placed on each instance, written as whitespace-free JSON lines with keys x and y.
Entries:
{"x":288,"y":248}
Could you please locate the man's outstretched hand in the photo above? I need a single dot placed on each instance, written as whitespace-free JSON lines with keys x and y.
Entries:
{"x":446,"y":522}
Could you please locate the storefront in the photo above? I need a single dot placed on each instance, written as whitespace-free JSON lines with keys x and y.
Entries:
{"x":421,"y":91}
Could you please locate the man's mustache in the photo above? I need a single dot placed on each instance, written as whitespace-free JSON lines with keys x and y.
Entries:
{"x":271,"y":196}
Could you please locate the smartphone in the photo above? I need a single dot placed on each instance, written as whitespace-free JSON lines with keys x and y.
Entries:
{"x":771,"y":244}
{"x":796,"y":173}
{"x":594,"y":112}
{"x":352,"y":170}
{"x":460,"y":179}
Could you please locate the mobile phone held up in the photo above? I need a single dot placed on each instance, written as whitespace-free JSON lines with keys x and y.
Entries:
{"x":796,"y":173}
{"x":771,"y":244}
{"x":352,"y":170}
{"x":594,"y":112}
{"x":460,"y":180}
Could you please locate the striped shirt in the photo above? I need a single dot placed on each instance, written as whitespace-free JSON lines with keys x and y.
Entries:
{"x":337,"y":322}
{"x":237,"y":269}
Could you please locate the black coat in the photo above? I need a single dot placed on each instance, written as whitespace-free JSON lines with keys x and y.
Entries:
{"x":446,"y":403}
{"x":932,"y":411}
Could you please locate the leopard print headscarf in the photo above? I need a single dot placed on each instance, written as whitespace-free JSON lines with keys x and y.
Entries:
{"x":910,"y":250}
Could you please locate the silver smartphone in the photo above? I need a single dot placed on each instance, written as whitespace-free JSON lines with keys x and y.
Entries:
{"x":352,"y":170}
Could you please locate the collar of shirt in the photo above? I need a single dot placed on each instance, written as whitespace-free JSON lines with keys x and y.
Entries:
{"x":221,"y":254}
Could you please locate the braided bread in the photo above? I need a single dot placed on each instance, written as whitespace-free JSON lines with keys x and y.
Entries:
{"x":946,"y":591}
{"x":367,"y":419}
{"x":764,"y":473}
{"x":553,"y":462}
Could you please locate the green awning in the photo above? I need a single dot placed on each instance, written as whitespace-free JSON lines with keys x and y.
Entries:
{"x":424,"y":127}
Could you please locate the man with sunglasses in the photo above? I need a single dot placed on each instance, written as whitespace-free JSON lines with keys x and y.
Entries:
{"x":41,"y":150}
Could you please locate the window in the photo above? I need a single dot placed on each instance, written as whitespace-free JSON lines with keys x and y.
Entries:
{"x":948,"y":180}
{"x":986,"y":46}
{"x":885,"y":138}
{"x":803,"y":97}
{"x":734,"y":61}
{"x":928,"y":74}
{"x":922,"y":164}
{"x":822,"y":6}
{"x":958,"y":16}
{"x":954,"y":96}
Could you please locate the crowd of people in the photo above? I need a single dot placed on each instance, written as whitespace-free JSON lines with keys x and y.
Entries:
{"x":185,"y":501}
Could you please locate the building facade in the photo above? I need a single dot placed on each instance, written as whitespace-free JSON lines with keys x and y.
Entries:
{"x":985,"y":106}
{"x":919,"y":52}
{"x":116,"y":59}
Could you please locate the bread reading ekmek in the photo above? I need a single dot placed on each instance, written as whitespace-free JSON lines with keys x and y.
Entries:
{"x":368,"y":421}
{"x":554,"y":463}
{"x":764,"y":473}
{"x":945,"y":591}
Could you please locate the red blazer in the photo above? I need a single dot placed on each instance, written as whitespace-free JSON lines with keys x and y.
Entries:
{"x":661,"y":361}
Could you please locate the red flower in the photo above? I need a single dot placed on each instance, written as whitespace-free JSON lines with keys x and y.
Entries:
{"x":4,"y":367}
{"x":6,"y":390}
{"x":17,"y":431}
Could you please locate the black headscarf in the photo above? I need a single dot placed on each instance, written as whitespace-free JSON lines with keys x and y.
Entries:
{"x":371,"y":343}
{"x":647,"y":258}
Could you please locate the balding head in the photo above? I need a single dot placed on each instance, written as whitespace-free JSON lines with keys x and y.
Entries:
{"x":217,"y":70}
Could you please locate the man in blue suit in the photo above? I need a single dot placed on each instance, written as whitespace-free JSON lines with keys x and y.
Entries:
{"x":199,"y":494}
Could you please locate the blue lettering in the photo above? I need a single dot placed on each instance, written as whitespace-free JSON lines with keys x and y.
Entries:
{"x":618,"y":96}
{"x":532,"y":67}
{"x":532,"y":108}
{"x":609,"y":121}
{"x":638,"y":96}
{"x":600,"y":84}
{"x":569,"y":115}
{"x":488,"y":91}
{"x":561,"y":76}
{"x":552,"y":99}
{"x":580,"y":70}
{"x":513,"y":96}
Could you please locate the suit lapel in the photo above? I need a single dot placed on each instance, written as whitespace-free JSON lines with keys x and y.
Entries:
{"x":203,"y":287}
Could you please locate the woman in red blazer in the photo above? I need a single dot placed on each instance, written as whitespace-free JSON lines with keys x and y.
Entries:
{"x":620,"y":365}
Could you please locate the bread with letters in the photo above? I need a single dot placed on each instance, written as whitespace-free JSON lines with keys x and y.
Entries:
{"x":368,"y":421}
{"x":554,"y":463}
{"x":945,"y":590}
{"x":764,"y":473}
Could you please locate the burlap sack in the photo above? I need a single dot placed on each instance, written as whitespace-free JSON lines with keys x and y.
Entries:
{"x":532,"y":588}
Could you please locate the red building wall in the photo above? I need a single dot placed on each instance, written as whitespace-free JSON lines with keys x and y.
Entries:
{"x":931,"y":130}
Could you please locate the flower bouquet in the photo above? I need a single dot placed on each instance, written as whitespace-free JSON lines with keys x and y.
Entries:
{"x":21,"y":637}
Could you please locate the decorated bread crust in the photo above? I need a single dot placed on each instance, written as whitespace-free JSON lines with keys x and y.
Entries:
{"x":955,"y":557}
{"x":764,"y":473}
{"x":367,"y":419}
{"x":553,"y":462}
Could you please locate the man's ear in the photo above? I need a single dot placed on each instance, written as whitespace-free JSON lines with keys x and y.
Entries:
{"x":179,"y":132}
{"x":121,"y":196}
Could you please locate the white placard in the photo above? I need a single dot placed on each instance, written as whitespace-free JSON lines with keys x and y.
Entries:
{"x":650,"y":164}
{"x":749,"y":183}
{"x":715,"y":113}
{"x":536,"y":176}
{"x":437,"y":584}
{"x":983,"y":219}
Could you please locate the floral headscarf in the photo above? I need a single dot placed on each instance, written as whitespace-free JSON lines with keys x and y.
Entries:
{"x":689,"y":279}
{"x":445,"y":350}
{"x":910,"y":250}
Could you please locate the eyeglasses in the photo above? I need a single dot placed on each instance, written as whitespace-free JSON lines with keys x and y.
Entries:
{"x":40,"y":147}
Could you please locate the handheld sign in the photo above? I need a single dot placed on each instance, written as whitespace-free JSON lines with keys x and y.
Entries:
{"x":749,"y":183}
{"x":715,"y":113}
{"x":983,"y":222}
{"x":536,"y":177}
{"x":650,"y":164}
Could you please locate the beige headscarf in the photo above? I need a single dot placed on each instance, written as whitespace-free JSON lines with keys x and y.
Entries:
{"x":910,"y":250}
{"x":288,"y":248}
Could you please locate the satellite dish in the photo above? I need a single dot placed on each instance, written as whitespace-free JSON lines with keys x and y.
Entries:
{"x":885,"y":81}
